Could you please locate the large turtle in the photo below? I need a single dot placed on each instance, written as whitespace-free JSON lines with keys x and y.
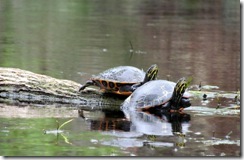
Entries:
{"x":122,"y":80}
{"x":159,"y":96}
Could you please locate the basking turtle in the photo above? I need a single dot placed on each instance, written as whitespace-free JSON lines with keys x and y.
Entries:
{"x":159,"y":96}
{"x":122,"y":80}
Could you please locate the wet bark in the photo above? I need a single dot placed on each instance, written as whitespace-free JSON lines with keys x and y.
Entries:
{"x":28,"y":88}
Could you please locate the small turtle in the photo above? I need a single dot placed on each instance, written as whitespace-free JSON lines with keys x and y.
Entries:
{"x":122,"y":80}
{"x":159,"y":95}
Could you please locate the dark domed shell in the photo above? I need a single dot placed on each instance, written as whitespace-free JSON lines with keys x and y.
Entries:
{"x":152,"y":93}
{"x":122,"y":74}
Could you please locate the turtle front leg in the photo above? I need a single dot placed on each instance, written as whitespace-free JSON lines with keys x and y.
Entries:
{"x":88,"y":83}
{"x":185,"y":102}
{"x":135,"y":86}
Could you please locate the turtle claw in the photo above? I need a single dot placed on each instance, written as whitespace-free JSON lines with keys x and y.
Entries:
{"x":88,"y":83}
{"x":82,"y":88}
{"x":180,"y":110}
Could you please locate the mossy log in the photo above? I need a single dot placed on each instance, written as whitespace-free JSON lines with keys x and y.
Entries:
{"x":28,"y":88}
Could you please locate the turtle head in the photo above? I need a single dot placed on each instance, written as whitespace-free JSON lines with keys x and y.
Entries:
{"x":177,"y":95}
{"x":151,"y":73}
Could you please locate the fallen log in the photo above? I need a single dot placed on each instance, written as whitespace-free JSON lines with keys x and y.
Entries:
{"x":28,"y":88}
{"x":20,"y":87}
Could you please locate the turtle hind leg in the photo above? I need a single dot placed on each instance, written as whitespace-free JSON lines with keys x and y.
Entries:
{"x":88,"y":83}
{"x":124,"y":90}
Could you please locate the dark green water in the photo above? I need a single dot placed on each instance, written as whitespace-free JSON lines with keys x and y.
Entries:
{"x":202,"y":132}
{"x":78,"y":38}
{"x":28,"y":138}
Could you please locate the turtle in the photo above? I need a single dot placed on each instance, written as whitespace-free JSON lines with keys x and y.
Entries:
{"x":159,"y":96}
{"x":122,"y":80}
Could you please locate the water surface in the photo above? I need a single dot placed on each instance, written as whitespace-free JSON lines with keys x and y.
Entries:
{"x":77,"y":39}
{"x":69,"y":39}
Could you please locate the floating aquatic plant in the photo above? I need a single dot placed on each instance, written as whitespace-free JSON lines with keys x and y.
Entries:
{"x":218,"y":101}
{"x":200,"y":86}
{"x":60,"y":126}
{"x":228,"y":135}
{"x":58,"y":131}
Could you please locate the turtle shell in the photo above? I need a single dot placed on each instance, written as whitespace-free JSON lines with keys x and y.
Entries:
{"x":119,"y":80}
{"x":122,"y":80}
{"x":124,"y":74}
{"x":152,"y":93}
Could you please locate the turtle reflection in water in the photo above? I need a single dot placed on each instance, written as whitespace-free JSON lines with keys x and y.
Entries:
{"x":122,"y":80}
{"x":136,"y":130}
{"x":162,"y":124}
{"x":106,"y":120}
